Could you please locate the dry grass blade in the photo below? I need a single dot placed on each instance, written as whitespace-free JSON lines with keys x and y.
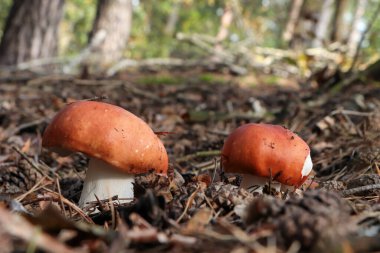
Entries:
{"x":37,"y":186}
{"x":58,"y":197}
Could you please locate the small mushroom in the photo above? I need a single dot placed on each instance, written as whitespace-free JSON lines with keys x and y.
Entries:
{"x":118,"y":143}
{"x":261,"y":152}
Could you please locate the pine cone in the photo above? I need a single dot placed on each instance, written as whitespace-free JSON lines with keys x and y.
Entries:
{"x":305,"y":219}
{"x":18,"y":179}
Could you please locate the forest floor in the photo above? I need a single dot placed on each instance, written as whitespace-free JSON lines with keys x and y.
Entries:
{"x":195,"y":209}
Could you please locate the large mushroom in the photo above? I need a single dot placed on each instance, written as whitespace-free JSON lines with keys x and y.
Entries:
{"x":262,"y":152}
{"x":118,"y":143}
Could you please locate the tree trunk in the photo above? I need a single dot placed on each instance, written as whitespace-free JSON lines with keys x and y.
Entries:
{"x":173,"y":18}
{"x":110,"y":32}
{"x":356,"y":31}
{"x":225,"y":23}
{"x":31,"y":31}
{"x":322,"y":30}
{"x":294,"y":16}
{"x":340,"y":30}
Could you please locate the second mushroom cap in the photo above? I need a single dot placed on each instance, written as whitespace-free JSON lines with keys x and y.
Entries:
{"x":269,"y":151}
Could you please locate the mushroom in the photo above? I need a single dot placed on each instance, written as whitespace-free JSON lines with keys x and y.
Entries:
{"x":118,"y":143}
{"x":262,"y":152}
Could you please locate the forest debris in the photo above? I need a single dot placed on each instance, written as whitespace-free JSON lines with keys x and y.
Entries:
{"x":57,"y":197}
{"x":146,"y":235}
{"x":51,"y":220}
{"x":307,"y":219}
{"x":11,"y":132}
{"x":339,"y":155}
{"x":362,"y":190}
{"x":362,"y":182}
{"x":12,"y":204}
{"x":189,"y":203}
{"x":143,"y":232}
{"x":183,"y":240}
{"x":198,"y":222}
{"x":149,"y":206}
{"x":203,"y":179}
{"x":31,"y":162}
{"x":41,"y":183}
{"x":6,"y":242}
{"x":178,"y":179}
{"x":326,"y":123}
{"x":17,"y":226}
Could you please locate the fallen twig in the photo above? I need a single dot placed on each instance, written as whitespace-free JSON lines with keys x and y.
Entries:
{"x":360,"y":189}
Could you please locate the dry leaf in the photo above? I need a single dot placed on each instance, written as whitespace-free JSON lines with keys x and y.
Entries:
{"x":198,"y":222}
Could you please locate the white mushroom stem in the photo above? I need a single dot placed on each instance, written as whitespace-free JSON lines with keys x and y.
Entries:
{"x":254,"y":183}
{"x":105,"y":181}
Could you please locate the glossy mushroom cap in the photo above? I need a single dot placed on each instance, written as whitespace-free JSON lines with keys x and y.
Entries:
{"x":109,"y":133}
{"x":267,"y":150}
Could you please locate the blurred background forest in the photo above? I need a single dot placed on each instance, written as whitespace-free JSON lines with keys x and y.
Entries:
{"x":280,"y":37}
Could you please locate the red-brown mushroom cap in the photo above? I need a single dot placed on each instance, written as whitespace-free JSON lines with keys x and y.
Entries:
{"x":109,"y":133}
{"x":267,"y":150}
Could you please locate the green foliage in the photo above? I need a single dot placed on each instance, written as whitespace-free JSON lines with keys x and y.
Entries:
{"x":208,"y":78}
{"x":5,"y":6}
{"x":76,"y":25}
{"x":261,"y":21}
{"x":148,"y":37}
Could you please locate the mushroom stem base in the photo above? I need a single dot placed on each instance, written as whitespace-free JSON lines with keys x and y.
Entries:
{"x":254,"y":183}
{"x":105,"y":181}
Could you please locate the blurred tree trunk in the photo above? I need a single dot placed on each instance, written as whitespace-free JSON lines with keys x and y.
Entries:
{"x":31,"y":31}
{"x":110,"y":32}
{"x":225,"y":23}
{"x":173,"y":17}
{"x":294,"y":16}
{"x":322,"y":30}
{"x":356,"y":30}
{"x":340,"y":30}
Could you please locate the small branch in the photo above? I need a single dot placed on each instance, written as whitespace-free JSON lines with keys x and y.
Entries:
{"x":360,"y":189}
